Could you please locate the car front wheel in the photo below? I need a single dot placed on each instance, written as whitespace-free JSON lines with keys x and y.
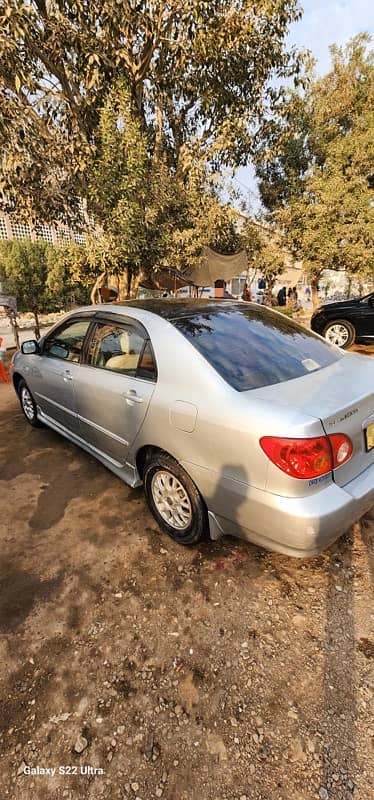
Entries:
{"x":339,"y":332}
{"x":28,"y":405}
{"x":174,"y":500}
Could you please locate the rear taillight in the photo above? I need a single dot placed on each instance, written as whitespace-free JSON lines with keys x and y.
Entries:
{"x":341,"y":447}
{"x":307,"y":458}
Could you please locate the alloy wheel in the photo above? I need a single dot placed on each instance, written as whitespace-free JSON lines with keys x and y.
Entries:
{"x":27,"y":403}
{"x":171,"y":500}
{"x":337,"y":334}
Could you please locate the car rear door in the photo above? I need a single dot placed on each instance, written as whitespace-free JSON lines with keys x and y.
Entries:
{"x":115,"y":385}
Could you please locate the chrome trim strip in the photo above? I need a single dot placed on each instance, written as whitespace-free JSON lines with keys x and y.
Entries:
{"x":58,"y":405}
{"x":73,"y":437}
{"x":103,"y":430}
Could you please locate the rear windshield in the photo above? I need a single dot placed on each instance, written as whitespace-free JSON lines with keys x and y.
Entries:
{"x":251,"y":346}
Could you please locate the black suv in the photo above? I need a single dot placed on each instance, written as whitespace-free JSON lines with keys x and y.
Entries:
{"x":346,"y":322}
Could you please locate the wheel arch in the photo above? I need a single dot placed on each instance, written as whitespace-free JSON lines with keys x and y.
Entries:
{"x":17,"y":378}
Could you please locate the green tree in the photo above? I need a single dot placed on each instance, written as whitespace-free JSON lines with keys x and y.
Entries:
{"x":63,"y":287}
{"x":316,"y":181}
{"x":200,"y":76}
{"x":23,"y":265}
{"x":41,"y":276}
{"x":148,"y":215}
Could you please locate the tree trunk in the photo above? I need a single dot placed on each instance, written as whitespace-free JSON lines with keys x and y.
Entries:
{"x":159,"y":129}
{"x":135,"y":286}
{"x":14,"y":325}
{"x":129,"y":283}
{"x":94,"y":294}
{"x":314,"y":287}
{"x":123,"y":285}
{"x":36,"y":326}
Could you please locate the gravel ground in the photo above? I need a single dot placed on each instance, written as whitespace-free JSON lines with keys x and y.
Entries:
{"x":220,"y":672}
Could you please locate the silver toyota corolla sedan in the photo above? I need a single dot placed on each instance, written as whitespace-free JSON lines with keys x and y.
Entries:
{"x":235,"y":419}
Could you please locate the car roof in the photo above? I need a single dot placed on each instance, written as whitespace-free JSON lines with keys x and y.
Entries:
{"x":170,"y":308}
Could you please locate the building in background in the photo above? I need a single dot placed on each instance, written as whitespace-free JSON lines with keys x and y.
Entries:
{"x":56,"y":233}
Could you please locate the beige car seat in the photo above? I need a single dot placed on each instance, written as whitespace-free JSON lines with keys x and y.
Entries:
{"x":125,"y":361}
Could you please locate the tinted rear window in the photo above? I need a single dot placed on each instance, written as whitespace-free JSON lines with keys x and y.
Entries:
{"x":251,"y":346}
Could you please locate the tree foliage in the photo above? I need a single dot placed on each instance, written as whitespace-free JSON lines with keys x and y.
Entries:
{"x":39,"y":276}
{"x":316,"y":177}
{"x":200,"y":77}
{"x":148,"y":215}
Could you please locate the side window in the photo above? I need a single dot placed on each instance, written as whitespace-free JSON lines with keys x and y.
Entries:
{"x":147,"y":367}
{"x":116,"y":347}
{"x":67,"y":341}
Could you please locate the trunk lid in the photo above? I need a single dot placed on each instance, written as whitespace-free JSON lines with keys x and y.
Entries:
{"x":342,"y":397}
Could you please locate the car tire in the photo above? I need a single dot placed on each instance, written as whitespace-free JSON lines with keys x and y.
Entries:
{"x":28,"y":405}
{"x":174,"y":500}
{"x":340,"y":332}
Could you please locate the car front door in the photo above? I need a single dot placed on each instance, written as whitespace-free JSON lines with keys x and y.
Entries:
{"x":56,"y":371}
{"x":115,"y":387}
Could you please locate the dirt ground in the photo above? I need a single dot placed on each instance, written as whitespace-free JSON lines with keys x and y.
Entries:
{"x":220,"y":672}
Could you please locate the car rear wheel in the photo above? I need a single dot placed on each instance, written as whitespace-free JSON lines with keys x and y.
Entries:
{"x":28,"y":405}
{"x":174,"y":500}
{"x":339,"y":332}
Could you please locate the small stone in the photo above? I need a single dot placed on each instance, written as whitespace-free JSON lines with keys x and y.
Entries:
{"x":80,"y":743}
{"x":175,"y":763}
{"x":178,"y":710}
{"x":243,"y":797}
{"x":118,"y":595}
{"x":18,"y":747}
{"x":109,"y":756}
{"x":155,"y":753}
{"x":311,"y":747}
{"x":252,"y":769}
{"x":163,"y":551}
{"x":121,"y":729}
{"x":259,"y":722}
{"x":159,"y":791}
{"x":113,"y":742}
{"x":135,"y":786}
{"x":164,"y":776}
{"x":234,"y":722}
{"x":323,"y":793}
{"x":21,"y":768}
{"x":99,"y":720}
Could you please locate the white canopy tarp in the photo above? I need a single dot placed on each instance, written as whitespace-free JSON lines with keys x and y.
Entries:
{"x":214,"y":266}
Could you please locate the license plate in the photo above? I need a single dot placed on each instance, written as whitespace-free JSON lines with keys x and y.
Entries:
{"x":370,"y":436}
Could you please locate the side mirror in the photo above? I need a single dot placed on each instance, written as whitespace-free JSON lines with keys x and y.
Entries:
{"x":30,"y":347}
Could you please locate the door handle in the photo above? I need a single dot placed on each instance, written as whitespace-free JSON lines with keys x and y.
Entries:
{"x":67,"y":376}
{"x":132,"y":396}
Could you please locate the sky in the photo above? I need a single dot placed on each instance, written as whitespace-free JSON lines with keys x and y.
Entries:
{"x":324,"y":22}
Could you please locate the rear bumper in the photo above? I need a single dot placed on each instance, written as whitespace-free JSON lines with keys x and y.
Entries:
{"x":296,"y":526}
